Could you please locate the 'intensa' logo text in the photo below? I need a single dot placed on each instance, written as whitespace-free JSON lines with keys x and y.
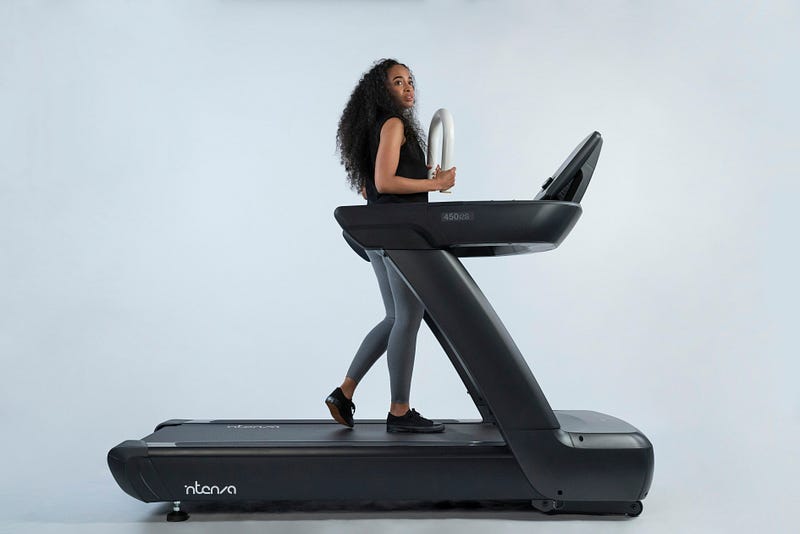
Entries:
{"x":197,"y":489}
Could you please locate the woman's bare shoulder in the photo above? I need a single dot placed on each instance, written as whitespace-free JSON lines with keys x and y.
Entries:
{"x":392,"y":123}
{"x":392,"y":129}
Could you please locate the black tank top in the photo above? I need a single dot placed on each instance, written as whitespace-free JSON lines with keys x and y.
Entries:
{"x":411,"y":165}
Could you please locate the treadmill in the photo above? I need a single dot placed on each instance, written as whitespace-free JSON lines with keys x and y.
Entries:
{"x":560,"y":461}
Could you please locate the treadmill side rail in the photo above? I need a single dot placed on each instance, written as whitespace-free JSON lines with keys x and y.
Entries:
{"x":434,"y":469}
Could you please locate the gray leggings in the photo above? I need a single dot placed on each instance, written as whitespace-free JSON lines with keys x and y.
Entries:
{"x":396,"y":334}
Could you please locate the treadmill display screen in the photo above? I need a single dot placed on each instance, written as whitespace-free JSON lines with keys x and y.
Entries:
{"x":570,"y":180}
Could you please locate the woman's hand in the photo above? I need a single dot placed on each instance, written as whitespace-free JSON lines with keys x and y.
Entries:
{"x":444,"y":180}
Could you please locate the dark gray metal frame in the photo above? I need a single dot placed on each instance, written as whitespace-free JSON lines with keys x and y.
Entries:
{"x":563,"y":461}
{"x":598,"y":459}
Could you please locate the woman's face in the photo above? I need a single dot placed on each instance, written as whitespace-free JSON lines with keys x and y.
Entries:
{"x":400,"y":85}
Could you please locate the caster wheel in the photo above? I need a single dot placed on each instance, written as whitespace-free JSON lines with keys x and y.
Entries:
{"x":634,"y":509}
{"x":175,"y":516}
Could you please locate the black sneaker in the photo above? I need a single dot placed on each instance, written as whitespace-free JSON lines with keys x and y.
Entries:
{"x":412,"y":421}
{"x":342,"y":408}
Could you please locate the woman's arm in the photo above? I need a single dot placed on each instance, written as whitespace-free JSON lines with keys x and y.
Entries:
{"x":386,"y":181}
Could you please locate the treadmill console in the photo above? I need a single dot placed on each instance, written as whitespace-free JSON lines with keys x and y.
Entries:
{"x":571,"y":179}
{"x":487,"y":228}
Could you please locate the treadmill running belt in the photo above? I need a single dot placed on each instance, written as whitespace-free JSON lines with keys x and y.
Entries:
{"x":317,"y":434}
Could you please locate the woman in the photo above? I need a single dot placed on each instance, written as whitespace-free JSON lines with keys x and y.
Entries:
{"x":381,"y":147}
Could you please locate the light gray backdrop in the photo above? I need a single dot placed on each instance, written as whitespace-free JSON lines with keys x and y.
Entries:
{"x":167,"y":246}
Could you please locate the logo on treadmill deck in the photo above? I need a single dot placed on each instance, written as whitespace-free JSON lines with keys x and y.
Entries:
{"x":266,"y":427}
{"x":458,"y":216}
{"x":198,"y":489}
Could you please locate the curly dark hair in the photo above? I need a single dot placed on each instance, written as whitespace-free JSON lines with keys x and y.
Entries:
{"x":369,"y":100}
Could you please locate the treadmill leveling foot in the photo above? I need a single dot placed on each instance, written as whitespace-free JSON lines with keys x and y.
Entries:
{"x":177,"y":514}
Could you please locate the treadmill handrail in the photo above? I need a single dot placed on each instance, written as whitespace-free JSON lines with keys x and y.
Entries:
{"x":465,"y":228}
